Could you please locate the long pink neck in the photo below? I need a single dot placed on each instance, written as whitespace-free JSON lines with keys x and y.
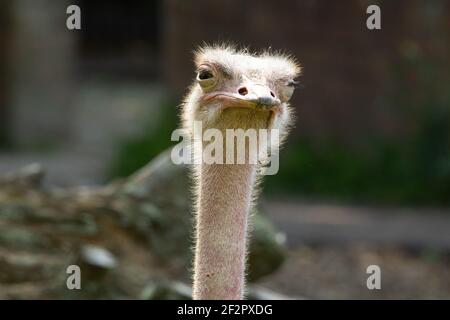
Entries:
{"x":225,"y":192}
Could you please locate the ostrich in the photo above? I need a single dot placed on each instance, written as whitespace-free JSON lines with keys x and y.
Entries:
{"x":233,"y":90}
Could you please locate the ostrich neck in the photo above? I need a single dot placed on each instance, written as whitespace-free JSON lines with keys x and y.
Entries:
{"x":225,"y":192}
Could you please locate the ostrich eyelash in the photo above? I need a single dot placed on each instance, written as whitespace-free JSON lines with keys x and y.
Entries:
{"x":292,"y":83}
{"x":222,"y":69}
{"x":295,"y":84}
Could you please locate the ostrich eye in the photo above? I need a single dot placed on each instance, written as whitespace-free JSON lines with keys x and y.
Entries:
{"x":292,"y":83}
{"x":206,"y":77}
{"x":288,"y":89}
{"x":205,"y":74}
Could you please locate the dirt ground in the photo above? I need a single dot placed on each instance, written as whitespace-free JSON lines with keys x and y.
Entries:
{"x":339,"y":272}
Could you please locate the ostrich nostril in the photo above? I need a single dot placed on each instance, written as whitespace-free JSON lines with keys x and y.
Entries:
{"x":243,"y":91}
{"x":272,"y":94}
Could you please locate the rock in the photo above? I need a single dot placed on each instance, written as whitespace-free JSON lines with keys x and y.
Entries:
{"x":260,"y":293}
{"x":166,"y":290}
{"x":23,"y":268}
{"x":174,"y":290}
{"x":19,"y":239}
{"x":84,"y":224}
{"x":95,"y":263}
{"x":145,"y":220}
{"x":29,"y":176}
{"x":267,"y":251}
{"x":98,"y":257}
{"x":98,"y":275}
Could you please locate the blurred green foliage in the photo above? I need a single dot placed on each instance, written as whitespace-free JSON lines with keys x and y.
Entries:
{"x":405,"y":170}
{"x":135,"y":152}
{"x":416,"y":172}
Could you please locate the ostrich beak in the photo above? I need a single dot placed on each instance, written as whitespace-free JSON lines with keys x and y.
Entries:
{"x":259,"y":95}
{"x":251,"y":95}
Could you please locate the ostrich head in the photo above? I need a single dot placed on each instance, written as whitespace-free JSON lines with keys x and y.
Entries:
{"x":233,"y":90}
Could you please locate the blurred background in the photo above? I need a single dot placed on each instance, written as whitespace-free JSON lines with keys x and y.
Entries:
{"x":364,"y":178}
